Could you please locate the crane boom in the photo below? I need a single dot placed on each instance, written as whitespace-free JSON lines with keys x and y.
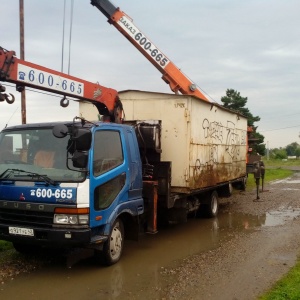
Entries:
{"x":177,"y":81}
{"x":27,"y":74}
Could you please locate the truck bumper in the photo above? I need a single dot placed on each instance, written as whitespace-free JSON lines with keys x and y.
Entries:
{"x":51,"y":237}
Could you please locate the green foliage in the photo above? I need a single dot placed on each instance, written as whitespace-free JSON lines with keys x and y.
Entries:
{"x":260,"y":148}
{"x":278,"y":153}
{"x":270,"y":175}
{"x":5,"y":246}
{"x":234,"y":101}
{"x":276,"y":163}
{"x":293,"y":149}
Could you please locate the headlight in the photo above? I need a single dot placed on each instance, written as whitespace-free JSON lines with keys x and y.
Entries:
{"x":71,"y":219}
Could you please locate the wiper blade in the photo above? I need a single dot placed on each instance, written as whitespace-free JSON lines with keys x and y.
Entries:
{"x":7,"y":173}
{"x":29,"y":174}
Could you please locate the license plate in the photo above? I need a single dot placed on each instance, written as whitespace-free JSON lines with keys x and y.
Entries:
{"x":21,"y":231}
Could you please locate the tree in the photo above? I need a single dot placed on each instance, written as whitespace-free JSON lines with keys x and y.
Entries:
{"x":234,"y":101}
{"x":291,"y":149}
{"x":278,"y":153}
{"x":259,"y":146}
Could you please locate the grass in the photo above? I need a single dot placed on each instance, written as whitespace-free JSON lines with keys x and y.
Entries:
{"x":275,"y":169}
{"x":5,"y":246}
{"x":288,"y":288}
{"x":270,"y":175}
{"x":281,"y":163}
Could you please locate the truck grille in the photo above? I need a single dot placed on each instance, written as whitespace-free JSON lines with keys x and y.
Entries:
{"x":25,"y":217}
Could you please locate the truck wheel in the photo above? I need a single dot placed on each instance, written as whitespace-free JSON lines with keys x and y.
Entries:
{"x":226,"y":190}
{"x":230,"y":189}
{"x":244,"y":183}
{"x":241,"y":185}
{"x":113,"y":247}
{"x":212,"y":207}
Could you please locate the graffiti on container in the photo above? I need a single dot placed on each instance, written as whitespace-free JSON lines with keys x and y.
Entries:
{"x":202,"y":171}
{"x":213,"y":155}
{"x":197,"y":171}
{"x":232,"y":139}
{"x":222,"y":144}
{"x":213,"y":130}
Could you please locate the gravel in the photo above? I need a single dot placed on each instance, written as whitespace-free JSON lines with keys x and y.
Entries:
{"x":247,"y":264}
{"x":242,"y":267}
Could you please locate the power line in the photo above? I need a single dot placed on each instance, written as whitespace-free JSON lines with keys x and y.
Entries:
{"x":35,"y":91}
{"x":272,"y":117}
{"x":63,"y":39}
{"x":70,"y":37}
{"x":280,"y":128}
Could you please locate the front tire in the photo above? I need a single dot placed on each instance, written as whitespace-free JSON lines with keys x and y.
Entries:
{"x":113,"y":247}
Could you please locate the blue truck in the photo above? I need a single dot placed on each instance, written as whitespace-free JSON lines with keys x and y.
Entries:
{"x":71,"y":185}
{"x":92,"y":184}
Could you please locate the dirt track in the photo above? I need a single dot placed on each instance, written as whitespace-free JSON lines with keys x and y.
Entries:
{"x":248,"y":264}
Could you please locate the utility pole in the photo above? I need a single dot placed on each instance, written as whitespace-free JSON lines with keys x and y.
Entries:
{"x":22,"y":56}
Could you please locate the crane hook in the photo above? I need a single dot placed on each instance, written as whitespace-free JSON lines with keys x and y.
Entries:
{"x":9,"y":101}
{"x":64,"y":102}
{"x":4,"y":96}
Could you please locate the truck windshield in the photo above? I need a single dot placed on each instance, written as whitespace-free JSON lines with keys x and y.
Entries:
{"x":35,"y":151}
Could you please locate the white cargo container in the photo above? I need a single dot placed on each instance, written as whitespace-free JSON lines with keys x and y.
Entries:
{"x":205,"y":143}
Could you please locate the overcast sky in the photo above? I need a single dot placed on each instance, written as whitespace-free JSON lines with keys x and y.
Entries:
{"x":250,"y":46}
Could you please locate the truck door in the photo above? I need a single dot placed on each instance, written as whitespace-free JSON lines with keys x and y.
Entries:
{"x":110,"y":175}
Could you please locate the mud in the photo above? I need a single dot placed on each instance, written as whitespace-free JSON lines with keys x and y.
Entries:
{"x":238,"y":255}
{"x":250,"y":263}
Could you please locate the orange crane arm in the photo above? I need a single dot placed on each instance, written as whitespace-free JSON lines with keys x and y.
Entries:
{"x":170,"y":73}
{"x":24,"y":73}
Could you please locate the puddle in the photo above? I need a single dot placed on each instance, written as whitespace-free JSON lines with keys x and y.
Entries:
{"x":139,"y":274}
{"x":287,"y":180}
{"x":279,"y":217}
{"x":272,"y":218}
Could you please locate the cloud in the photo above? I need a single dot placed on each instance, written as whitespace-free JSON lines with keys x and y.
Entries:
{"x":250,"y":46}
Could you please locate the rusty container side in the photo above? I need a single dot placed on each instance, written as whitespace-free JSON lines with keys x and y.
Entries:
{"x":205,"y":142}
{"x":172,"y":110}
{"x":218,"y":145}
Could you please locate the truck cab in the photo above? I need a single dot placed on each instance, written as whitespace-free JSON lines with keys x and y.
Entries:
{"x":70,"y":184}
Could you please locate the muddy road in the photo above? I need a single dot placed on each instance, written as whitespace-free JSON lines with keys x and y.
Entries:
{"x":238,"y":255}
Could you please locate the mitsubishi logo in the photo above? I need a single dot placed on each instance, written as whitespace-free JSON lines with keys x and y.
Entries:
{"x":22,"y":197}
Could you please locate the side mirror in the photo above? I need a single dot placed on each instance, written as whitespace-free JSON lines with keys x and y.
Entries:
{"x":60,"y":131}
{"x":82,"y":138}
{"x":80,"y":159}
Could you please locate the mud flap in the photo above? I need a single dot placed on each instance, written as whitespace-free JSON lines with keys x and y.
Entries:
{"x":150,"y":199}
{"x":177,"y":215}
